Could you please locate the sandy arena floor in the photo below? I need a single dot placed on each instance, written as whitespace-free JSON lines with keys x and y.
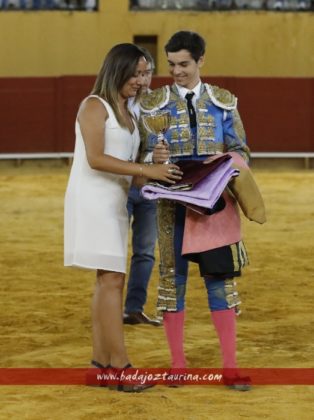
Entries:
{"x":45,"y":315}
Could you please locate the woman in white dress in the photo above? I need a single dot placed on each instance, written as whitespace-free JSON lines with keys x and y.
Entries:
{"x":96,"y":218}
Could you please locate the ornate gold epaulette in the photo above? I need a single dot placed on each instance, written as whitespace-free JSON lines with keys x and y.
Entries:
{"x":155,"y":100}
{"x":221,"y":97}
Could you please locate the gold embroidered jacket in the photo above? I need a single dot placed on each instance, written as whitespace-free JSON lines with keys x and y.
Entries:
{"x":219,"y":126}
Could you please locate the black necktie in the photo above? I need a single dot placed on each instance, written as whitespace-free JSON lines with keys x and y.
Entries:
{"x":191,"y":109}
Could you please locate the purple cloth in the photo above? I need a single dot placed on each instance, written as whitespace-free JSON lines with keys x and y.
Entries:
{"x":194,"y":170}
{"x":204,"y":194}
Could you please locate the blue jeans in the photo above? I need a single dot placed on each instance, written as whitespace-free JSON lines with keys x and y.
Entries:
{"x":5,"y":3}
{"x":216,"y":293}
{"x":144,"y":234}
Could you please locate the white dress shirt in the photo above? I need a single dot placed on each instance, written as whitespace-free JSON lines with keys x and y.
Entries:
{"x":196,"y":90}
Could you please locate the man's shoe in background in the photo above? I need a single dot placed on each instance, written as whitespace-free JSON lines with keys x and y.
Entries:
{"x":140,"y":318}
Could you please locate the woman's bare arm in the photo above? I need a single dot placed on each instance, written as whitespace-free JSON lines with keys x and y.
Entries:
{"x":92,"y":117}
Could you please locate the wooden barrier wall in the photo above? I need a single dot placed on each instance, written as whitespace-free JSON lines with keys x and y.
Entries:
{"x":38,"y":114}
{"x":49,"y":64}
{"x":238,"y":43}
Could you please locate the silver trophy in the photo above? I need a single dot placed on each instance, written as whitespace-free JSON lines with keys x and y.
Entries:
{"x":158,"y":123}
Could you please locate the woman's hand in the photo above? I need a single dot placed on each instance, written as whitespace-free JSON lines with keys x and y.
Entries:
{"x":170,"y":173}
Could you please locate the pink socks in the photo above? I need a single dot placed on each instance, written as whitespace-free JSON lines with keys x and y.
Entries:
{"x":225,"y":325}
{"x":174,"y":325}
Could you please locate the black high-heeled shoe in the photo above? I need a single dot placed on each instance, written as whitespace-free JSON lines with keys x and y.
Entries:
{"x":123,"y":384}
{"x":98,"y":375}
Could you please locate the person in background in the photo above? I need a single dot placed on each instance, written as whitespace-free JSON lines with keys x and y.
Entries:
{"x":142,"y":214}
{"x":96,"y":221}
{"x":204,"y":121}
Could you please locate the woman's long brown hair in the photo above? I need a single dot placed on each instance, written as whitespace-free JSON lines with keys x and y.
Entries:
{"x":118,"y":67}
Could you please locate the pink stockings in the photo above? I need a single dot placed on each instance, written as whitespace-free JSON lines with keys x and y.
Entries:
{"x":225,"y":325}
{"x":174,"y":325}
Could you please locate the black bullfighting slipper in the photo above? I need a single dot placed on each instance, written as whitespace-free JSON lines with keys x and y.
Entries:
{"x":238,"y":383}
{"x":175,"y":377}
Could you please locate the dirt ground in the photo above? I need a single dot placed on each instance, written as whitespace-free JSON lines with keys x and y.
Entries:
{"x":45,"y":310}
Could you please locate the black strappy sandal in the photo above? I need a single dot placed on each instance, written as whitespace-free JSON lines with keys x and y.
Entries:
{"x":124,"y":385}
{"x":98,"y":375}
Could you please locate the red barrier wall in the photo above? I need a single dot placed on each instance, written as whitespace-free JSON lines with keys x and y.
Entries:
{"x":38,"y":114}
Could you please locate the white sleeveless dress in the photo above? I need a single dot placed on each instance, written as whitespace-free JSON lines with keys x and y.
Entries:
{"x":95,"y":214}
